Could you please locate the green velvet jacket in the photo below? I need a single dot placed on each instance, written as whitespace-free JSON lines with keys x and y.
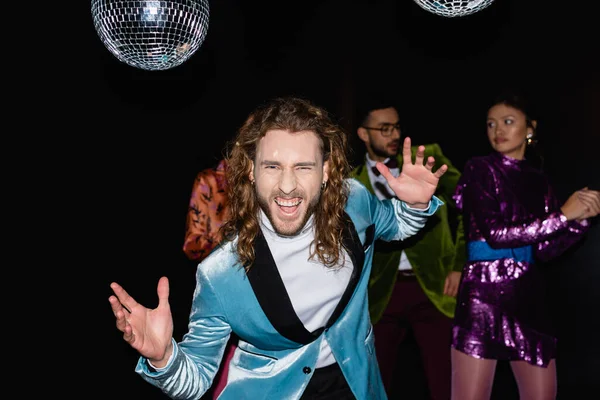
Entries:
{"x":436,"y":250}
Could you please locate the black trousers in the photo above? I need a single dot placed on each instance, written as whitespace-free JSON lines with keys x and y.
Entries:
{"x":328,"y":383}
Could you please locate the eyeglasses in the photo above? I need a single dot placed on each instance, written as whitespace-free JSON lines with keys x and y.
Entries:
{"x":386,"y":129}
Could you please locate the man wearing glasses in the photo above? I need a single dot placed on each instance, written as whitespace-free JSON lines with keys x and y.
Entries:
{"x":413,"y":284}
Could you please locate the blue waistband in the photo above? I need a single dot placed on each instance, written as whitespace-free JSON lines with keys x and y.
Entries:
{"x":481,"y":251}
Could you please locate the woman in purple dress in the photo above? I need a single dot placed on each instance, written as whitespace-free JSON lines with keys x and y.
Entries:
{"x":513,"y":221}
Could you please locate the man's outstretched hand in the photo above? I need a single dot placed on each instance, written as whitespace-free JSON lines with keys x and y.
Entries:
{"x":417,"y":182}
{"x":148,"y":331}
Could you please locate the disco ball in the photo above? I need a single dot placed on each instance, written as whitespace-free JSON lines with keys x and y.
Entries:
{"x":151,"y":35}
{"x":453,"y":8}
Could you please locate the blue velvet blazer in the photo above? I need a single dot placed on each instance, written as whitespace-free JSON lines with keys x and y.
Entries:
{"x":276,"y":355}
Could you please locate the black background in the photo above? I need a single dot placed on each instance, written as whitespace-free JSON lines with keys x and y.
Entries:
{"x":131,"y":141}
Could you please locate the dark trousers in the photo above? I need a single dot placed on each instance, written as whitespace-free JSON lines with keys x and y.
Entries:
{"x":328,"y":383}
{"x":410,"y":308}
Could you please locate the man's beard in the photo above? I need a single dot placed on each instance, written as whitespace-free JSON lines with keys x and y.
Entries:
{"x":288,"y":229}
{"x":383,"y":152}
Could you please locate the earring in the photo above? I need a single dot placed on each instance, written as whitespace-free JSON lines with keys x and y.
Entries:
{"x":529,"y":138}
{"x":323,"y":185}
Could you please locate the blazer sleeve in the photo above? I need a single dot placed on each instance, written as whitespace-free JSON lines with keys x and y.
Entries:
{"x":196,"y":359}
{"x":393,"y":218}
{"x":555,"y":246}
{"x":208,"y":208}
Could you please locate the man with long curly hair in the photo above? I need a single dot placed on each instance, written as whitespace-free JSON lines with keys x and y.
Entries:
{"x":290,"y":275}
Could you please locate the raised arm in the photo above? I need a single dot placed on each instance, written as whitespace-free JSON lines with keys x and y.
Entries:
{"x":186,"y":369}
{"x":576,"y":227}
{"x":417,"y":182}
{"x":477,"y":190}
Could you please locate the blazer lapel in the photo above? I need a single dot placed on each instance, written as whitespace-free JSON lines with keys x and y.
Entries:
{"x":270,"y":292}
{"x":357,"y":254}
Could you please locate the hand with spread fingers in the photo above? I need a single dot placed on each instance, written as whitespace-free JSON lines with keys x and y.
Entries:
{"x":148,"y":331}
{"x":417,"y":182}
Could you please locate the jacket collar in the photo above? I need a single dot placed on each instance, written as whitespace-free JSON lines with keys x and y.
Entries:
{"x":274,"y":300}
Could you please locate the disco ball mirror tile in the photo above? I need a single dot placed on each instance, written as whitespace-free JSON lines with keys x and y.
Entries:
{"x":151,"y":35}
{"x":453,"y":8}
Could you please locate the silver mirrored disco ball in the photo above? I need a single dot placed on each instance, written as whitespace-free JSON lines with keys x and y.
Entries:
{"x":151,"y":35}
{"x":450,"y":8}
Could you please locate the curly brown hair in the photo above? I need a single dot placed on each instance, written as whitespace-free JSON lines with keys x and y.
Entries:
{"x":294,"y":115}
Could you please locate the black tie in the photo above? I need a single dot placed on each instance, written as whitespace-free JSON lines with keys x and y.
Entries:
{"x":391,"y":163}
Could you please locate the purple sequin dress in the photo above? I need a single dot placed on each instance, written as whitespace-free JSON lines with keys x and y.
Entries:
{"x":512,"y":220}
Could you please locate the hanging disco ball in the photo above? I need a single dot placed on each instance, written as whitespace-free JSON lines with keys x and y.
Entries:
{"x":151,"y":35}
{"x":450,"y":8}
